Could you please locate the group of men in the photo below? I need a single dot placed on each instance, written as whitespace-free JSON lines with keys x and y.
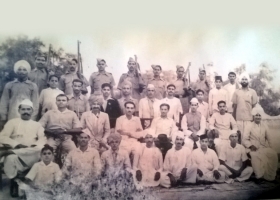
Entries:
{"x":176,"y":134}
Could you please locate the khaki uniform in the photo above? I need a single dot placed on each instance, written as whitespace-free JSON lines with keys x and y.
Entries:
{"x":160,"y":87}
{"x":97,"y":79}
{"x":180,"y":85}
{"x":40,"y":78}
{"x":66,"y":80}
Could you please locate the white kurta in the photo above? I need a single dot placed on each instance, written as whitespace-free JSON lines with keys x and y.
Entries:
{"x":215,"y":96}
{"x":164,"y":126}
{"x":47,"y":99}
{"x":175,"y":108}
{"x":145,"y":110}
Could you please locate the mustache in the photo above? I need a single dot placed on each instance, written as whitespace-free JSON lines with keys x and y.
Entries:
{"x":26,"y":114}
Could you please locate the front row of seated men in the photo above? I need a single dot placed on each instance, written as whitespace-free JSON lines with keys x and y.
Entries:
{"x":25,"y":138}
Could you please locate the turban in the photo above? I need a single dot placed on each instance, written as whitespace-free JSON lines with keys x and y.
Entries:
{"x":94,"y":99}
{"x":194,"y":100}
{"x":131,"y":59}
{"x":150,"y":131}
{"x":150,"y":86}
{"x":246,"y":75}
{"x":22,"y":63}
{"x":179,"y":66}
{"x":87,"y":131}
{"x":26,"y":102}
{"x":218,"y":78}
{"x":257,"y":110}
{"x":114,"y":136}
{"x":179,"y":134}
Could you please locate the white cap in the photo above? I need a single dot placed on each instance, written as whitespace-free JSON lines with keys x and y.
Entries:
{"x":194,"y":100}
{"x":26,"y":102}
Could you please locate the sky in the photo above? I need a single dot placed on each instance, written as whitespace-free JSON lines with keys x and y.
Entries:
{"x":227,"y":48}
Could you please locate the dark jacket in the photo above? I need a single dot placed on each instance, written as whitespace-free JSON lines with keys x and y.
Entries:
{"x":113,"y":110}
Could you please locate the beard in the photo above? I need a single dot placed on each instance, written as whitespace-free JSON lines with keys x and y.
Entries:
{"x":244,"y":84}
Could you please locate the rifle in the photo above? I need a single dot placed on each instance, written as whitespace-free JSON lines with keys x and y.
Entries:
{"x":80,"y":69}
{"x":79,"y":66}
{"x":49,"y":58}
{"x":187,"y":73}
{"x":138,"y":71}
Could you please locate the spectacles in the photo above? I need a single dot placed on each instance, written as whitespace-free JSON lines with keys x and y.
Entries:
{"x":47,"y":154}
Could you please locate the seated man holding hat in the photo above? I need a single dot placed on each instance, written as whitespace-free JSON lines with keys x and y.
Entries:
{"x":24,"y":139}
{"x":147,"y":163}
{"x":177,"y":166}
{"x":193,"y":125}
{"x":233,"y":160}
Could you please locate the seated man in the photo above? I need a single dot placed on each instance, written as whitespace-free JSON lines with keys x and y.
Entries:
{"x":258,"y":143}
{"x":115,"y":161}
{"x":177,"y":164}
{"x":233,"y":160}
{"x":130,"y":129}
{"x":193,"y":125}
{"x":82,"y":165}
{"x":207,"y":163}
{"x":60,"y":124}
{"x":98,"y":124}
{"x":24,"y":139}
{"x":220,"y":125}
{"x":147,"y":163}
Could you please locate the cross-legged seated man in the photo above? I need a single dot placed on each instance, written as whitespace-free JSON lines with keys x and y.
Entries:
{"x":177,"y":164}
{"x":233,"y":160}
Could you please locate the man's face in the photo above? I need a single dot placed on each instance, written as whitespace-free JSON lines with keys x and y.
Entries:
{"x":179,"y":142}
{"x":171,"y":91}
{"x":83,"y":139}
{"x":257,"y":118}
{"x":53,"y":82}
{"x":149,"y":140}
{"x":180,"y":72}
{"x":22,"y":72}
{"x":233,"y":138}
{"x":244,"y":82}
{"x":163,"y":111}
{"x":101,"y":65}
{"x":131,"y":66}
{"x":222,"y":108}
{"x":61,"y":102}
{"x":73,"y":66}
{"x":126,"y":90}
{"x":25,"y":112}
{"x":218,"y":84}
{"x":151,"y":93}
{"x":40,"y":62}
{"x":106,"y":91}
{"x":47,"y":156}
{"x":157,"y":71}
{"x":95,"y":107}
{"x":200,"y":96}
{"x":114,"y":144}
{"x":194,"y":107}
{"x":231,"y":78}
{"x":201,"y":75}
{"x":204,"y":143}
{"x":129,"y":109}
{"x":77,"y":87}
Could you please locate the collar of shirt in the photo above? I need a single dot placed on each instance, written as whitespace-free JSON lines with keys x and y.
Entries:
{"x":108,"y":98}
{"x":207,"y":151}
{"x":105,"y":73}
{"x":182,"y":79}
{"x":41,"y":70}
{"x":26,"y":81}
{"x":159,"y":78}
{"x":247,"y":88}
{"x":230,"y":147}
{"x":127,"y":99}
{"x":87,"y":150}
{"x":132,"y":118}
{"x":201,"y":102}
{"x":65,"y":111}
{"x":43,"y":164}
{"x":116,"y":152}
{"x":71,"y":96}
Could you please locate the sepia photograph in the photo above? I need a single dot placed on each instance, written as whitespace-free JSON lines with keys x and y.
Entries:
{"x":136,"y":110}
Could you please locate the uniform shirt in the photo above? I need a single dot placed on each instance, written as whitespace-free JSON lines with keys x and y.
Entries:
{"x":230,"y":88}
{"x":55,"y":119}
{"x":176,"y":160}
{"x":66,"y":80}
{"x":115,"y":162}
{"x":14,"y":93}
{"x":244,"y":99}
{"x":164,"y":126}
{"x":47,"y":99}
{"x":149,"y":108}
{"x":215,"y":96}
{"x":223,"y":124}
{"x":205,"y":161}
{"x":194,"y":122}
{"x":234,"y":157}
{"x":123,"y":100}
{"x":40,"y":78}
{"x":44,"y":176}
{"x":202,"y":86}
{"x":78,"y":104}
{"x":97,"y":79}
{"x":129,"y":125}
{"x":137,"y":83}
{"x":175,"y":108}
{"x":160,"y":87}
{"x":80,"y":166}
{"x":180,"y":85}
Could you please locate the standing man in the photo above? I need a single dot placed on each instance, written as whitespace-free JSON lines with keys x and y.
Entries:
{"x":203,"y":107}
{"x":98,"y":78}
{"x":202,"y":84}
{"x":158,"y":82}
{"x":134,"y":77}
{"x":181,"y":91}
{"x":193,"y":125}
{"x":78,"y":102}
{"x":257,"y":141}
{"x":110,"y":105}
{"x":244,"y":99}
{"x":174,"y":103}
{"x":231,"y":87}
{"x":66,"y":80}
{"x":233,"y":160}
{"x":39,"y":75}
{"x":18,"y":90}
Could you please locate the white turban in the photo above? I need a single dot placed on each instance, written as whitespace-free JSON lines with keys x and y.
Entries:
{"x":151,"y":132}
{"x":179,"y":134}
{"x":22,"y":63}
{"x":257,"y":110}
{"x":244,"y":74}
{"x":26,"y":102}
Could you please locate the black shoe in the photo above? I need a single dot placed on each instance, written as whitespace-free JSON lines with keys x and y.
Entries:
{"x":13,"y":188}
